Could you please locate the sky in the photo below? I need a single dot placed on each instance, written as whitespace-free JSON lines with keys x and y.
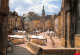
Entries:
{"x":25,"y":6}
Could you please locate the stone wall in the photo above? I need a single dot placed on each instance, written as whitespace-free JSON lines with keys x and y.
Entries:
{"x":3,"y":26}
{"x":3,"y":34}
{"x":36,"y":50}
{"x":77,"y":41}
{"x":67,"y":23}
{"x":59,"y":51}
{"x":53,"y":51}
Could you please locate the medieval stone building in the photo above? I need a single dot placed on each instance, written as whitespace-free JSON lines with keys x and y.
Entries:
{"x":70,"y":23}
{"x":3,"y":26}
{"x":70,"y":13}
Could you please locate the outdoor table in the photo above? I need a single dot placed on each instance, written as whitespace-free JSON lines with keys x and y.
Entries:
{"x":17,"y":39}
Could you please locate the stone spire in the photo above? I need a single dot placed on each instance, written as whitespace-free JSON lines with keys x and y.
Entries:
{"x":43,"y":12}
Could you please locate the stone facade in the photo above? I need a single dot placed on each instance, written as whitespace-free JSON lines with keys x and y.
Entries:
{"x":66,"y":23}
{"x":35,"y":25}
{"x":77,"y":41}
{"x":57,"y":25}
{"x":14,"y":21}
{"x":48,"y":22}
{"x":69,"y":22}
{"x":3,"y":26}
{"x":38,"y":50}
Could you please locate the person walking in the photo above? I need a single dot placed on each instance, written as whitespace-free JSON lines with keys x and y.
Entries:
{"x":27,"y":36}
{"x":46,"y":39}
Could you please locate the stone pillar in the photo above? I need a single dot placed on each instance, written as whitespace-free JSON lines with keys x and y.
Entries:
{"x":62,"y":28}
{"x":3,"y":34}
{"x":4,"y":9}
{"x":68,"y":30}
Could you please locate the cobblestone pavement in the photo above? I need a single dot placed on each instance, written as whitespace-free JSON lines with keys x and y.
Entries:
{"x":19,"y":50}
{"x":22,"y":49}
{"x":49,"y":42}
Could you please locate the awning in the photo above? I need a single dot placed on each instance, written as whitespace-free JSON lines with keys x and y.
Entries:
{"x":37,"y":37}
{"x":16,"y":36}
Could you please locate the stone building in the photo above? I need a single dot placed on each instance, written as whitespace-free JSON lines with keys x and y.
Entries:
{"x":13,"y":21}
{"x":32,"y":21}
{"x":35,"y":25}
{"x":48,"y":22}
{"x":53,"y":22}
{"x":57,"y":25}
{"x":70,"y":23}
{"x":4,"y":10}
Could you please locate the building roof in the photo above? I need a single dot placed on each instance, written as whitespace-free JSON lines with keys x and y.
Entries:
{"x":48,"y":16}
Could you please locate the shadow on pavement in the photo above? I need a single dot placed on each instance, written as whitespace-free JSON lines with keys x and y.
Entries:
{"x":17,"y":50}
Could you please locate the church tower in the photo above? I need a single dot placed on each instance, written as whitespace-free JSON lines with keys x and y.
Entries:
{"x":43,"y":12}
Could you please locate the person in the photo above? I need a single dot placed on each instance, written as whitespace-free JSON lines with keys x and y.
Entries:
{"x":46,"y":39}
{"x":27,"y":36}
{"x":10,"y":44}
{"x":29,"y":39}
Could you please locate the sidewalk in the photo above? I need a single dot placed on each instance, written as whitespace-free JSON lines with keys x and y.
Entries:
{"x":57,"y":42}
{"x":49,"y":41}
{"x":20,"y":49}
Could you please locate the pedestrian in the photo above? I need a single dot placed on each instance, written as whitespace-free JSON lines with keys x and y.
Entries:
{"x":46,"y":39}
{"x":10,"y":44}
{"x":29,"y":39}
{"x":26,"y":36}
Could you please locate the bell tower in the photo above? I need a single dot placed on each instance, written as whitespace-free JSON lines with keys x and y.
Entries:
{"x":43,"y":12}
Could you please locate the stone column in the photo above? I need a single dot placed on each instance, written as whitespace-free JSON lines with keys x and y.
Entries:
{"x":68,"y":30}
{"x":3,"y":34}
{"x":63,"y":28}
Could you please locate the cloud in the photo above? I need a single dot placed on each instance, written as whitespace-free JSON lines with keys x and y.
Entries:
{"x":25,"y":6}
